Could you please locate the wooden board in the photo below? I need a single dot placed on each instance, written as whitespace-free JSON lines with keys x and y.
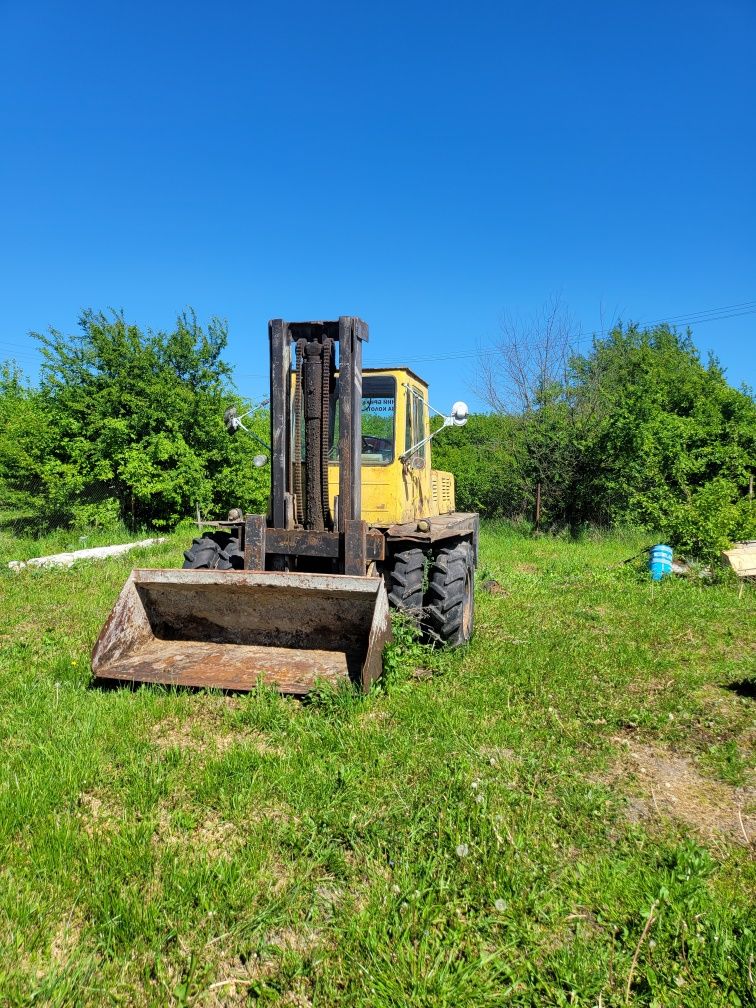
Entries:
{"x":742,"y":559}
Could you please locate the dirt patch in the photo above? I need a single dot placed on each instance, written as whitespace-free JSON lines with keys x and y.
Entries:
{"x":237,"y":974}
{"x":527,"y":568}
{"x":498,"y":755}
{"x":98,"y":811}
{"x":212,"y":836}
{"x":65,"y":940}
{"x":203,"y":734}
{"x":422,"y":674}
{"x":666,"y":785}
{"x":290,"y":940}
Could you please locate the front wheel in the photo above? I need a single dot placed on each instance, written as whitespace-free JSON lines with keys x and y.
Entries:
{"x":450,"y":599}
{"x":217,"y":551}
{"x":405,"y":582}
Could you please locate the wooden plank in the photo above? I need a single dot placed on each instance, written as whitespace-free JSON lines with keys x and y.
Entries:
{"x":254,"y":542}
{"x":355,"y":551}
{"x":742,"y":558}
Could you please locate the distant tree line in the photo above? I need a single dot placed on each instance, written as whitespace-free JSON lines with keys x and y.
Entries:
{"x":635,"y":431}
{"x":127,"y":425}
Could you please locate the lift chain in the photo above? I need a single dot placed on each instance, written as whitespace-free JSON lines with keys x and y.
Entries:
{"x":325,"y":429}
{"x":297,"y":459}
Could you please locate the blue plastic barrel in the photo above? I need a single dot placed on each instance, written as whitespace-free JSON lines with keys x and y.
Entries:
{"x":660,"y":562}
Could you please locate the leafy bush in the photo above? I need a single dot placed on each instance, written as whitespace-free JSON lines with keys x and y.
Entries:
{"x":637,"y":432}
{"x":128,"y":425}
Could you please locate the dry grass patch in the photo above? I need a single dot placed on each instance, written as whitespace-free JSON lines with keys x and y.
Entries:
{"x":498,"y":755}
{"x":237,"y":974}
{"x":66,"y":939}
{"x":664,"y":784}
{"x":206,"y":733}
{"x":98,"y":811}
{"x":211,"y":835}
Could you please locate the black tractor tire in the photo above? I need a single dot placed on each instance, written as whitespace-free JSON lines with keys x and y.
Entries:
{"x":450,"y":599}
{"x":405,"y":581}
{"x":215,"y":551}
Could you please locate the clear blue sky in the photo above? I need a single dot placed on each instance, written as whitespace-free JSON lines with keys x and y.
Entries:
{"x":427,"y":166}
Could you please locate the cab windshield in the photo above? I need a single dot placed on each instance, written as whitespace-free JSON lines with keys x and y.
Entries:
{"x":378,"y":410}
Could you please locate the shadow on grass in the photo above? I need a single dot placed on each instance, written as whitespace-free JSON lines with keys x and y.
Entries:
{"x":22,"y":524}
{"x":745,"y":688}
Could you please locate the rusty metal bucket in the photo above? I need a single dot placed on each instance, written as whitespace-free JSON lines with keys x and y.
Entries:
{"x":234,"y":629}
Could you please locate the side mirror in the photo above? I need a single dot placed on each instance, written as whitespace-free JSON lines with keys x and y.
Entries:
{"x":458,"y":414}
{"x":457,"y":418}
{"x":234,"y":422}
{"x":231,"y":420}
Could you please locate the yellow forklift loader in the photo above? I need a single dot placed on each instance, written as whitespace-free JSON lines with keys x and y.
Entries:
{"x":359,"y":521}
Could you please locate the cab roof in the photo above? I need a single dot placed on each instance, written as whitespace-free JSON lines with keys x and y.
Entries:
{"x":386,"y":370}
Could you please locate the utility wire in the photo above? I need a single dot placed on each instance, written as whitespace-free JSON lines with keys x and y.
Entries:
{"x":738,"y":310}
{"x":698,"y":318}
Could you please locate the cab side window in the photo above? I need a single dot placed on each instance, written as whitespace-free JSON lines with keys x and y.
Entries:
{"x":415,"y":423}
{"x":409,"y":438}
{"x":418,"y":410}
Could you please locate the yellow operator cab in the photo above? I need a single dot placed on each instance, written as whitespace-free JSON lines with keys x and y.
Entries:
{"x":398,"y":484}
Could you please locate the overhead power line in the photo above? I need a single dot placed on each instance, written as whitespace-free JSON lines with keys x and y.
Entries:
{"x":16,"y":350}
{"x":689,"y":319}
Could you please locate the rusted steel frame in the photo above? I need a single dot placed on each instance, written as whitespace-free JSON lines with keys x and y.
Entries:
{"x":380,"y":636}
{"x":463,"y":526}
{"x":253,"y":625}
{"x":352,"y":331}
{"x":254,"y":542}
{"x":280,"y":456}
{"x":355,"y":548}
{"x":298,"y":542}
{"x":440,"y":526}
{"x":476,"y":538}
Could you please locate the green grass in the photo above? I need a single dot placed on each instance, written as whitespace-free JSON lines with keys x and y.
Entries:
{"x":464,"y":836}
{"x":18,"y":543}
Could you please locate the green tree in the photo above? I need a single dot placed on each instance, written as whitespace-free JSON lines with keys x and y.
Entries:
{"x":525,"y":380}
{"x":483,"y":457}
{"x":672,"y":445}
{"x":25,"y":434}
{"x":637,"y":430}
{"x":129,"y":425}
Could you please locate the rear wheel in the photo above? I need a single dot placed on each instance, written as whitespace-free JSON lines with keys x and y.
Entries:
{"x":405,"y":588}
{"x":216,"y":551}
{"x":450,"y":599}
